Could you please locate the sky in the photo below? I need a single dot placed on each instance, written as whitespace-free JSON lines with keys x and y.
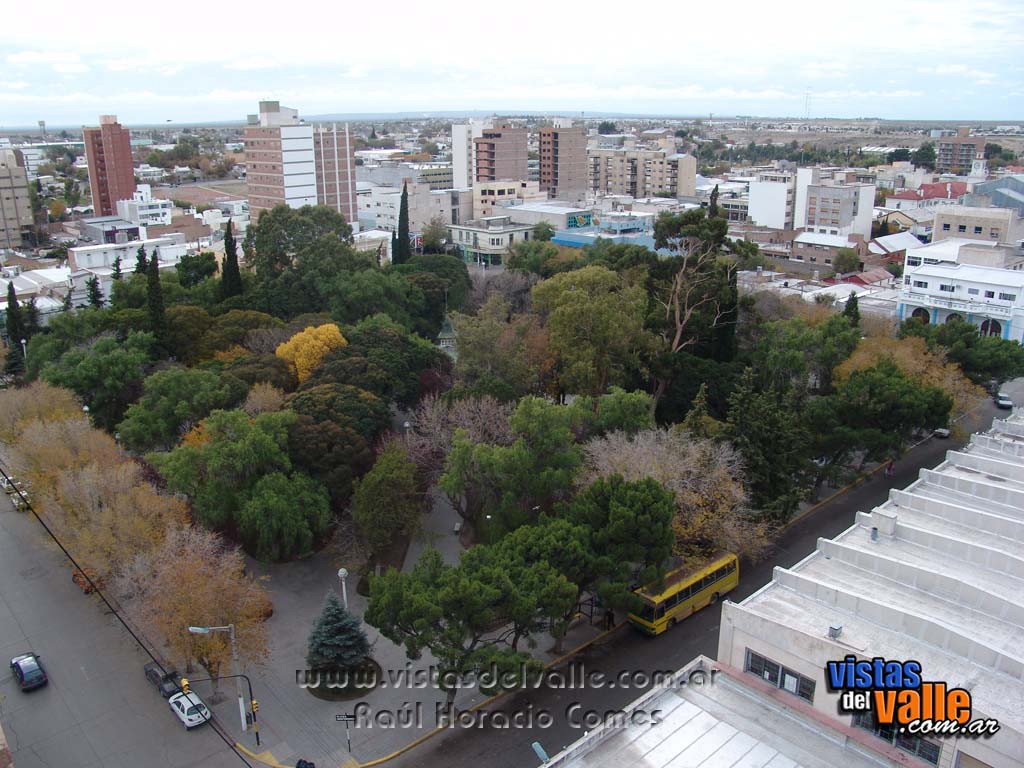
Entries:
{"x":913,"y":59}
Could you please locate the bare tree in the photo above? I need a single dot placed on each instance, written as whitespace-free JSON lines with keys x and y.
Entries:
{"x":706,"y":476}
{"x":263,"y":398}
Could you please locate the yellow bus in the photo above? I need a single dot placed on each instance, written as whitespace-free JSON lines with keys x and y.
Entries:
{"x":684,"y":591}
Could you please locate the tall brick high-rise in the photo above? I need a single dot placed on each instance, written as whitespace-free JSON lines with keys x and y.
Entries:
{"x":501,"y":153}
{"x":563,"y":162}
{"x":108,"y":150}
{"x":291,"y":162}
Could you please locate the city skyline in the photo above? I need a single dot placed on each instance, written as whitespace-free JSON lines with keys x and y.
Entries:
{"x":914,"y":61}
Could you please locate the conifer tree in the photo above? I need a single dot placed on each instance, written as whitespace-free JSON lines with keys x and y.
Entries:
{"x":15,"y":332}
{"x":231,"y":278}
{"x":337,"y":640}
{"x":140,"y":261}
{"x":852,"y":311}
{"x":117,"y":274}
{"x":155,"y":300}
{"x":403,"y":254}
{"x":95,"y":294}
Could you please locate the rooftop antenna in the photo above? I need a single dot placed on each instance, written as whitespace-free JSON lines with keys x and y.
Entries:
{"x":807,"y":104}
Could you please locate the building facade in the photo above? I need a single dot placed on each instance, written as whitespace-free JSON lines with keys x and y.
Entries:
{"x":383,"y":205}
{"x":15,"y":207}
{"x":997,"y":225}
{"x":956,"y":154}
{"x":988,"y":297}
{"x":488,"y":240}
{"x":641,"y":172}
{"x":501,"y":153}
{"x":464,"y":150}
{"x":563,"y":163}
{"x":108,"y":151}
{"x":487,"y":195}
{"x":289,"y":162}
{"x":144,"y":209}
{"x":1007,"y":192}
{"x":771,"y":199}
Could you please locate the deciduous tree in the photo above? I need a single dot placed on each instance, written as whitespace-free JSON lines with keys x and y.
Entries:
{"x":385,"y":502}
{"x":283,"y":516}
{"x":306,"y":350}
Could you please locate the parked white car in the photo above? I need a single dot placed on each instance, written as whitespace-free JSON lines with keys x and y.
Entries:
{"x":189,"y":708}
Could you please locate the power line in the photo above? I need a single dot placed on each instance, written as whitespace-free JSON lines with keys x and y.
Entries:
{"x":24,"y":500}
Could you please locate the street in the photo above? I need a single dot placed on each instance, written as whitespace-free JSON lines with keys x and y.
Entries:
{"x":629,"y":651}
{"x":98,"y":710}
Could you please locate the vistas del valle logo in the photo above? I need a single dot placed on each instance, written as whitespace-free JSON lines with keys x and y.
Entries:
{"x":895,"y":693}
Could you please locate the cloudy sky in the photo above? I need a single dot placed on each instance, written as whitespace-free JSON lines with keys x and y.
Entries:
{"x":917,"y":59}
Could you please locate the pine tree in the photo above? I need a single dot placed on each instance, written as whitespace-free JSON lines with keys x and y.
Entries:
{"x":95,"y":294}
{"x":403,"y":254}
{"x":713,"y":205}
{"x":337,"y":640}
{"x":394,"y":247}
{"x":140,"y":261}
{"x":373,"y":133}
{"x":852,"y":311}
{"x":699,"y":422}
{"x":155,"y":300}
{"x":66,"y":304}
{"x":230,"y":277}
{"x":117,"y":274}
{"x":15,"y":332}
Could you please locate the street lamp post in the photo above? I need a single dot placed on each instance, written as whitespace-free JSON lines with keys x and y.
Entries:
{"x":230,"y":628}
{"x":24,"y":350}
{"x":342,"y":575}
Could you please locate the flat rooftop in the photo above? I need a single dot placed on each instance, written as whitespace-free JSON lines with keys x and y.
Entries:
{"x":720,"y":725}
{"x":942,"y":582}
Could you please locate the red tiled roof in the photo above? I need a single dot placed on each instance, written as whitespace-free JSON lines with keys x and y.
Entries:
{"x":944,"y":190}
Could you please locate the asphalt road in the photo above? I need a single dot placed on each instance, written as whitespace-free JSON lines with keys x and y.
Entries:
{"x":629,"y":651}
{"x":98,"y":711}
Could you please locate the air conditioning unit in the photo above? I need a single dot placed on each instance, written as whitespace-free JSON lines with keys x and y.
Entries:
{"x":834,"y":631}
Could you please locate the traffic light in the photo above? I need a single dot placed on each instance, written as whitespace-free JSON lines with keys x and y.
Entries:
{"x":184,"y":685}
{"x":255,"y":706}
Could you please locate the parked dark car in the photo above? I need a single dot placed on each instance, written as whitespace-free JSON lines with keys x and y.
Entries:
{"x":28,"y":671}
{"x":165,"y":682}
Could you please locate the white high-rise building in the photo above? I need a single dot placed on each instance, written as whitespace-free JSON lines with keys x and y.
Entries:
{"x":464,"y":150}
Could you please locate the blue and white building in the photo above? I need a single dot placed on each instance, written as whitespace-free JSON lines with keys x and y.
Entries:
{"x":988,"y":297}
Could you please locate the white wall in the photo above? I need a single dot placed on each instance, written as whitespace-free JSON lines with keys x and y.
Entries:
{"x":767,"y":203}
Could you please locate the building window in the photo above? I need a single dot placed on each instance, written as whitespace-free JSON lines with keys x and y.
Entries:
{"x":920,"y":284}
{"x":1007,"y":297}
{"x":990,"y":294}
{"x":977,"y":230}
{"x":972,"y":291}
{"x":925,"y":749}
{"x":961,"y":228}
{"x":779,"y":676}
{"x":947,"y":288}
{"x":994,"y":234}
{"x":945,"y":227}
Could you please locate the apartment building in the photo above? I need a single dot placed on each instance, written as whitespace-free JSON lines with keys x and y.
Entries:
{"x":834,"y":201}
{"x":641,"y":172}
{"x":997,"y":225}
{"x":934,"y":574}
{"x":927,"y":195}
{"x":956,"y":154}
{"x":563,"y":163}
{"x":501,"y":153}
{"x":15,"y":208}
{"x":464,"y":150}
{"x":489,"y":194}
{"x":108,"y":152}
{"x":391,"y":174}
{"x":289,"y":162}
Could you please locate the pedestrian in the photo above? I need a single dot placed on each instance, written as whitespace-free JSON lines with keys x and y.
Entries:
{"x":609,"y":619}
{"x":890,"y":469}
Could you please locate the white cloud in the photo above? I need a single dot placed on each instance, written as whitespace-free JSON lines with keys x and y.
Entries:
{"x":59,"y":61}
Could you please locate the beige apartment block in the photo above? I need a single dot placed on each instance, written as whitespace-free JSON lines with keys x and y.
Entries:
{"x":15,"y":208}
{"x":641,"y":173}
{"x":996,"y":225}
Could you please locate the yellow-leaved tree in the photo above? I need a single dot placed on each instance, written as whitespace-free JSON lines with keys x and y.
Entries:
{"x":307,"y":349}
{"x":912,"y":356}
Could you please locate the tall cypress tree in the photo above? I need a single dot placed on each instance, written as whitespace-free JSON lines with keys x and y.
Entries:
{"x":140,"y":261}
{"x":117,"y":274}
{"x":15,"y":332}
{"x":852,"y":309}
{"x":95,"y":294}
{"x":394,"y":247}
{"x":230,"y":278}
{"x":713,"y":203}
{"x":155,"y":300}
{"x":403,"y":253}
